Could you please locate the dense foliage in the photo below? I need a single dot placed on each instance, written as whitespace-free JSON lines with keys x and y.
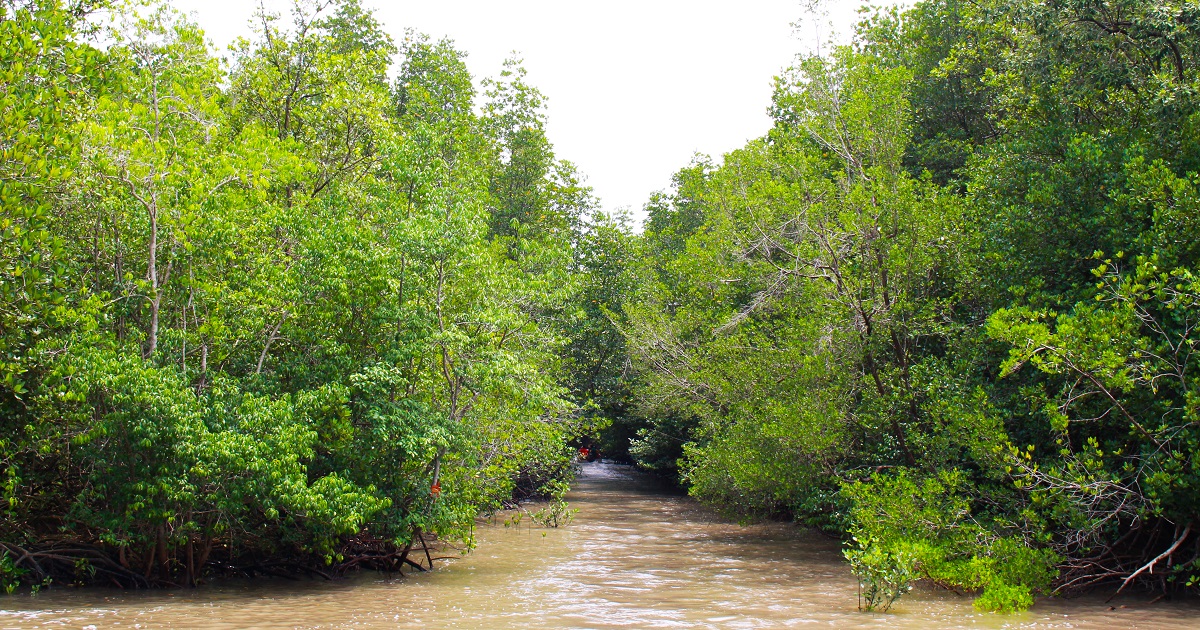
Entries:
{"x":305,"y":306}
{"x":947,"y":306}
{"x":279,"y":310}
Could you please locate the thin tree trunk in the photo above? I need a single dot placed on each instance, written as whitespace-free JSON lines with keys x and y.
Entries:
{"x":267,"y":346}
{"x":152,"y":277}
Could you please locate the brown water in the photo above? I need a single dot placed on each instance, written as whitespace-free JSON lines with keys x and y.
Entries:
{"x":635,"y":557}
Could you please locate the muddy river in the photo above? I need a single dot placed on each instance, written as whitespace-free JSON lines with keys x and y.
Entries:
{"x":636,"y":556}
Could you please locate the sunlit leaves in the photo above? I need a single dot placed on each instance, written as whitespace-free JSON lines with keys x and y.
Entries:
{"x":288,"y":319}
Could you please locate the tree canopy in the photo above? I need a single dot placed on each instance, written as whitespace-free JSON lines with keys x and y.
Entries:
{"x":946,"y":307}
{"x":267,"y":308}
{"x":317,"y":302}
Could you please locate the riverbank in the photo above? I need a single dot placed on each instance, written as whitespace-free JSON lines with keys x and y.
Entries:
{"x":636,"y":556}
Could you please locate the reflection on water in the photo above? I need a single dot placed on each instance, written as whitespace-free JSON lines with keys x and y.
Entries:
{"x":635,"y":557}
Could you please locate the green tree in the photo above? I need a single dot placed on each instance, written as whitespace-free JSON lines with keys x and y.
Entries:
{"x":273,"y":324}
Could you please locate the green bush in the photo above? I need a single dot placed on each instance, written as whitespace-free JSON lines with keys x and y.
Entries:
{"x":906,"y":527}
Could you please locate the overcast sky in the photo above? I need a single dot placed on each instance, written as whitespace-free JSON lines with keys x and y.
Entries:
{"x":634,"y":87}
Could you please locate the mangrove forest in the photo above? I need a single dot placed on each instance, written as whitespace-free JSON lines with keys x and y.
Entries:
{"x":319,"y":302}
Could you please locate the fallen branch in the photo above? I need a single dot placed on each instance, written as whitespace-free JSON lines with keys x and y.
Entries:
{"x":1149,"y":566}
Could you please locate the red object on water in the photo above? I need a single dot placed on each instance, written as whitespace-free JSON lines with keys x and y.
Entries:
{"x":435,"y":488}
{"x":583,"y":452}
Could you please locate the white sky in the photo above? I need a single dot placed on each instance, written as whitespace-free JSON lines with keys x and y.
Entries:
{"x":634,"y":87}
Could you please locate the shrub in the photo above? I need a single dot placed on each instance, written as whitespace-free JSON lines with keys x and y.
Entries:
{"x":906,"y":527}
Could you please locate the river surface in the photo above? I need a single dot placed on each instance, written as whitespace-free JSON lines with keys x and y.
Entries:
{"x":636,"y":556}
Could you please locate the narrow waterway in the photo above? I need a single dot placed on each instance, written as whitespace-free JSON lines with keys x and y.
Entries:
{"x":636,"y":556}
